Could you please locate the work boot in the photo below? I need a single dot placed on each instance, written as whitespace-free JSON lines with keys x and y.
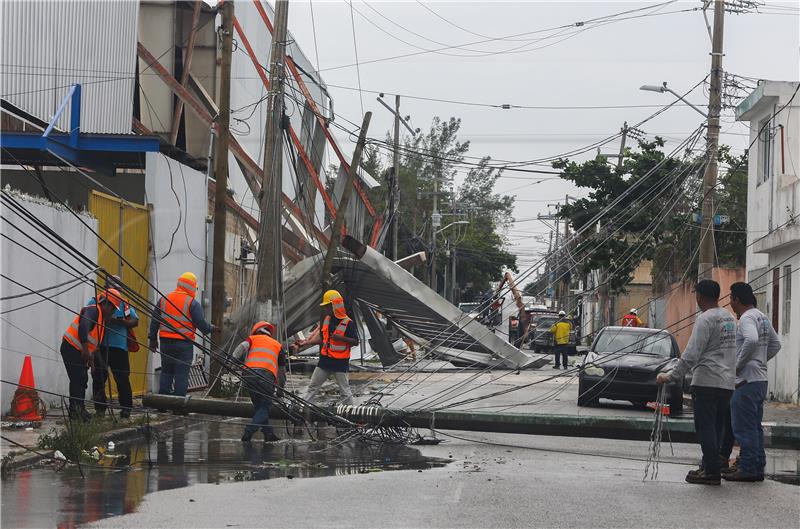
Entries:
{"x":247,"y":437}
{"x":696,"y":471}
{"x":728,"y":468}
{"x":79,"y":413}
{"x":739,"y":475}
{"x":271,"y":437}
{"x":701,"y":478}
{"x":125,"y":414}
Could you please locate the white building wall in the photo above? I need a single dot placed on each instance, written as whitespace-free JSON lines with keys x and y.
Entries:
{"x":773,"y":201}
{"x":178,"y":198}
{"x":37,"y":330}
{"x":49,"y":45}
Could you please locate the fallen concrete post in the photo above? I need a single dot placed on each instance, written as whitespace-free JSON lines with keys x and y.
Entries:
{"x":629,"y":428}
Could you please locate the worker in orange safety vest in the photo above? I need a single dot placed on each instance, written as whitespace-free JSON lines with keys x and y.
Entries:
{"x":79,"y":343}
{"x":335,"y":335}
{"x":264,"y":359}
{"x":175,"y":320}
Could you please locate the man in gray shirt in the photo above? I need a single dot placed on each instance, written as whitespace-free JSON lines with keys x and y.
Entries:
{"x":756,"y":343}
{"x":711,"y":356}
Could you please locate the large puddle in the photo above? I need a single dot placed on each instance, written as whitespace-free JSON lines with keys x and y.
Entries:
{"x":200,"y":453}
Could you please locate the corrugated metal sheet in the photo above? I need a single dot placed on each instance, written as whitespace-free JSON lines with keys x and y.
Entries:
{"x":49,"y":45}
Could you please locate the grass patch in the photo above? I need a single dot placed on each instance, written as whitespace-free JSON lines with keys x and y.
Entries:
{"x":76,"y":436}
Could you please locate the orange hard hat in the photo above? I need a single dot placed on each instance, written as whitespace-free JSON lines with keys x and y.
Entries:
{"x":111,"y":295}
{"x":263,"y":326}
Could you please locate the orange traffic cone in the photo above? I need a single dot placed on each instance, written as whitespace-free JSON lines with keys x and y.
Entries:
{"x":25,"y":405}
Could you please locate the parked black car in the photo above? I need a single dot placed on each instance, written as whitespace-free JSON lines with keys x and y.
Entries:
{"x":622,"y":364}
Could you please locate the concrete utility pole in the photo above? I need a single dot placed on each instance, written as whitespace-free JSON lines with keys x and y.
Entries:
{"x":436,"y":221}
{"x":565,"y":279}
{"x":605,"y":319}
{"x":341,"y":208}
{"x":269,"y":247}
{"x":221,"y":190}
{"x":707,"y":246}
{"x":394,"y":197}
{"x":394,"y":182}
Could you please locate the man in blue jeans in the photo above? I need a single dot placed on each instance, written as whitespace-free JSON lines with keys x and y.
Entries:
{"x":175,"y":320}
{"x":756,"y":343}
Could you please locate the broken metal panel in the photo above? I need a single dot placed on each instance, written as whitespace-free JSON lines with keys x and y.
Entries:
{"x":379,"y":284}
{"x":405,"y":300}
{"x":379,"y":340}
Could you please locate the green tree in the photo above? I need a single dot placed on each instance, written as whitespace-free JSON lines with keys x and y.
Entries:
{"x":631,"y":229}
{"x":655,"y":220}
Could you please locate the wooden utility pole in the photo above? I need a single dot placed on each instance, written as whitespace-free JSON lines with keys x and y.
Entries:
{"x":341,"y":209}
{"x":269,"y":256}
{"x":707,"y":247}
{"x":221,"y":190}
{"x":394,"y":197}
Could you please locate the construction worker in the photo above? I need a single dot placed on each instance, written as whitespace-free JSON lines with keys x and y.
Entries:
{"x":175,"y":320}
{"x":560,"y":331}
{"x":81,"y":340}
{"x":631,"y":319}
{"x":113,"y":353}
{"x":335,"y":336}
{"x":264,"y":359}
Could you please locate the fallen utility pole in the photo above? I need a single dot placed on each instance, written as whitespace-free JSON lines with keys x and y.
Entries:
{"x":221,"y":190}
{"x":631,"y":428}
{"x":269,"y":256}
{"x":341,"y":208}
{"x":707,"y":246}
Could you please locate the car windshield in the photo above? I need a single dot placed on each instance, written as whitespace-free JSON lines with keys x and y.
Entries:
{"x":546,"y":322}
{"x":468,"y":307}
{"x":615,"y":341}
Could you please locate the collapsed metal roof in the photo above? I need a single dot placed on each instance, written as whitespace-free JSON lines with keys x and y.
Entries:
{"x":374,"y":282}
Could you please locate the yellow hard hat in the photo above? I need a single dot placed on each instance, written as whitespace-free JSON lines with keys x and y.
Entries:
{"x":189,"y":280}
{"x":329,"y":296}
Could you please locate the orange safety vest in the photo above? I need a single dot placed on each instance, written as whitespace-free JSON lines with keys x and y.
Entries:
{"x":331,"y":345}
{"x":95,"y":335}
{"x":176,"y":318}
{"x":263,"y":354}
{"x":630,"y":320}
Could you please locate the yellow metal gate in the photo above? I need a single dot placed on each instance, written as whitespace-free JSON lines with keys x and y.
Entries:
{"x":126,"y":228}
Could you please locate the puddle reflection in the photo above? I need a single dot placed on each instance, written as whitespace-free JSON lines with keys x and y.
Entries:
{"x":202,"y":453}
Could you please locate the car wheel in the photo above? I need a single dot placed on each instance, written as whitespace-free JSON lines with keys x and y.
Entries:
{"x":537,"y":350}
{"x":586,"y":395}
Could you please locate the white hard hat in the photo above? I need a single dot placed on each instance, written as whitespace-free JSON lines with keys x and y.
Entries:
{"x":634,"y":311}
{"x":562,"y":313}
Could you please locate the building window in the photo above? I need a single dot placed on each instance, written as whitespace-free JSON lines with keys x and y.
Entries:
{"x":787,"y":299}
{"x":764,"y":151}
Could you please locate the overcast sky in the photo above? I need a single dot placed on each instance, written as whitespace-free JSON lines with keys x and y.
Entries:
{"x":597,"y":64}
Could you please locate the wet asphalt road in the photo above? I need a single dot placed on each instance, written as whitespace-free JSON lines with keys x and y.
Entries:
{"x":520,"y":481}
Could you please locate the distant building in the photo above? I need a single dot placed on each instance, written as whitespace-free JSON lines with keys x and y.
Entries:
{"x":773,"y":221}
